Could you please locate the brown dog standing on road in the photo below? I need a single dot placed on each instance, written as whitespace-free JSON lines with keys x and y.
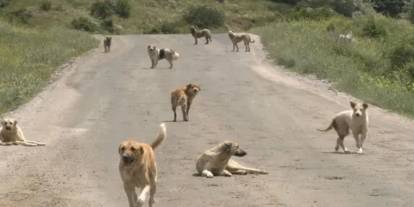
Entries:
{"x":356,"y":121}
{"x":184,"y":97}
{"x":138,"y":168}
{"x":200,"y":34}
{"x":107,"y":44}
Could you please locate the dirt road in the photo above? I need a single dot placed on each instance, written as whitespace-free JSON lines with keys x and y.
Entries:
{"x":104,"y":98}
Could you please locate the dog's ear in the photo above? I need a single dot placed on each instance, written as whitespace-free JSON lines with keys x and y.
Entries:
{"x":189,"y":85}
{"x":14,"y":122}
{"x":365,"y":105}
{"x":141,"y":150}
{"x":353,"y":104}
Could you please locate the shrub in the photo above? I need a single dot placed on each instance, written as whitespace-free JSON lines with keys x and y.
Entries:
{"x":372,"y":28}
{"x":45,"y":5}
{"x":108,"y":25}
{"x":22,"y":15}
{"x":4,"y":3}
{"x":123,"y":8}
{"x":169,"y":28}
{"x":402,"y":54}
{"x":389,"y":7}
{"x":344,"y":7}
{"x":204,"y":16}
{"x":85,"y":24}
{"x":312,"y":13}
{"x":101,"y":9}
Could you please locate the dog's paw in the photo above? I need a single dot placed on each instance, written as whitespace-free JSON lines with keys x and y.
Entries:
{"x":140,"y":202}
{"x":360,"y":151}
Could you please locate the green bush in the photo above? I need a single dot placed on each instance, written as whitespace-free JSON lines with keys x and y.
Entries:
{"x":204,"y":16}
{"x":108,"y":25}
{"x":85,"y":24}
{"x":372,"y":28}
{"x":45,"y":5}
{"x":311,"y":13}
{"x":169,"y":28}
{"x":402,"y":54}
{"x":21,"y":15}
{"x":101,"y":10}
{"x":344,"y":7}
{"x":4,"y":3}
{"x":123,"y":8}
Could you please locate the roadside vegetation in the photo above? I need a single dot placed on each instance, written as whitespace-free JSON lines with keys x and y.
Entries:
{"x":377,"y":66}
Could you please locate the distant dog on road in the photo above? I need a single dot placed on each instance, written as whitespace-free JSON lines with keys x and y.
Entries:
{"x":157,"y":54}
{"x":356,"y":121}
{"x":12,"y":134}
{"x":138,"y":168}
{"x":184,"y":97}
{"x":200,"y":33}
{"x":107,"y":44}
{"x":238,"y":37}
{"x":217,"y":161}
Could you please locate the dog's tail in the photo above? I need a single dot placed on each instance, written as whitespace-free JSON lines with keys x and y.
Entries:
{"x":176,"y":55}
{"x":162,"y":134}
{"x":332,"y":125}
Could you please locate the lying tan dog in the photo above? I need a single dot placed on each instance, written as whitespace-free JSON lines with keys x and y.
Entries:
{"x":107,"y":44}
{"x":12,"y":134}
{"x":217,"y":161}
{"x":356,"y":121}
{"x":200,"y":33}
{"x":184,"y":97}
{"x":138,"y":168}
{"x":157,"y":54}
{"x":238,"y":37}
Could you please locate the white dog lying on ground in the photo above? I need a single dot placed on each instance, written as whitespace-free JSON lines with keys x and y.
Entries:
{"x":217,"y":161}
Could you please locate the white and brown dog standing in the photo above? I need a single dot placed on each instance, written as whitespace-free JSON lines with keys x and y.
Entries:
{"x":157,"y":54}
{"x":238,"y":37}
{"x":138,"y":168}
{"x":356,"y":121}
{"x":200,"y":34}
{"x":12,"y":134}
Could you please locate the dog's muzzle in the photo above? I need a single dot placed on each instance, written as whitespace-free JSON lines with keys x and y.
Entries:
{"x":240,"y":153}
{"x":8,"y":128}
{"x":127,"y":159}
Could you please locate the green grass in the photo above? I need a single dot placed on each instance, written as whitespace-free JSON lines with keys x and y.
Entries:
{"x":361,"y":68}
{"x":28,"y":57}
{"x":151,"y":15}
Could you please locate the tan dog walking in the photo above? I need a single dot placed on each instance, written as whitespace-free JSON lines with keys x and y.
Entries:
{"x":138,"y":168}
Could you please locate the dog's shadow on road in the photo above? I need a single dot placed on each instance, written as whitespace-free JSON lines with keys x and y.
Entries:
{"x":171,"y":121}
{"x":342,"y":153}
{"x":161,"y":68}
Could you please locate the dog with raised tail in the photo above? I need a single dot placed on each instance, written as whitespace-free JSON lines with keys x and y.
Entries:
{"x":217,"y":161}
{"x":356,"y":121}
{"x":12,"y":134}
{"x":138,"y":168}
{"x":157,"y":54}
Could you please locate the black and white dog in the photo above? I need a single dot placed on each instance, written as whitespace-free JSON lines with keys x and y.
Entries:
{"x":157,"y":54}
